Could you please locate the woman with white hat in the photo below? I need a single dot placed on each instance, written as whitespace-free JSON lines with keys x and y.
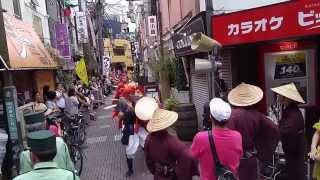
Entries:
{"x":291,"y":126}
{"x":166,"y":156}
{"x":260,"y":135}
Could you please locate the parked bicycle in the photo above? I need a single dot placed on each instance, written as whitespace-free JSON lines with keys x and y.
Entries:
{"x":75,"y":136}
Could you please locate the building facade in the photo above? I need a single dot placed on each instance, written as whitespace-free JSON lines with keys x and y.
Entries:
{"x":119,"y":50}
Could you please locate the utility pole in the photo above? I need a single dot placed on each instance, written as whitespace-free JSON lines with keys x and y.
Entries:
{"x":211,"y":78}
{"x":160,"y":28}
{"x":100,"y":12}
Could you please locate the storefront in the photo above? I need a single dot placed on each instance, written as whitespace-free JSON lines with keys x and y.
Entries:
{"x":31,"y":65}
{"x":275,"y":45}
{"x":29,"y":61}
{"x":198,"y":81}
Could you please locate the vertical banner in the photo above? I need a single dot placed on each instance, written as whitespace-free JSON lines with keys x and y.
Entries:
{"x":152,"y":26}
{"x":81,"y":71}
{"x":106,"y":65}
{"x":82,"y":28}
{"x":62,"y":40}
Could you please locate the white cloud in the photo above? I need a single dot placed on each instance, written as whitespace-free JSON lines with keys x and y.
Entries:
{"x":120,"y":7}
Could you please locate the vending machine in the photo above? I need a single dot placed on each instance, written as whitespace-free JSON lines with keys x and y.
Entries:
{"x":291,"y":66}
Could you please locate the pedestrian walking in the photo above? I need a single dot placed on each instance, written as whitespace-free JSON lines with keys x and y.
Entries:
{"x":166,"y":156}
{"x":260,"y":135}
{"x":227,"y":143}
{"x":291,"y":126}
{"x":43,"y":150}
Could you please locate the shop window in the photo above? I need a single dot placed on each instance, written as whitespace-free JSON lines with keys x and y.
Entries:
{"x":16,"y":8}
{"x":119,"y":51}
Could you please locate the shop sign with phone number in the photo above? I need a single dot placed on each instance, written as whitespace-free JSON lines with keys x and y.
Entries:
{"x":290,"y":66}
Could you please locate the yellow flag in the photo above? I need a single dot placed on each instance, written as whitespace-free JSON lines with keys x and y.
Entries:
{"x":81,"y":71}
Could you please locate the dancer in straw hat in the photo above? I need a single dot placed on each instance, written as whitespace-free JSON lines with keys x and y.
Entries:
{"x":291,"y":126}
{"x":167,"y":157}
{"x":259,"y":134}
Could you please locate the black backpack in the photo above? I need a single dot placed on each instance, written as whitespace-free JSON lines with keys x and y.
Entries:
{"x":222,"y":172}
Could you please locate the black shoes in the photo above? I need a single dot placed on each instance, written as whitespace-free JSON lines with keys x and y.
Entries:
{"x":129,"y":173}
{"x":130,"y":167}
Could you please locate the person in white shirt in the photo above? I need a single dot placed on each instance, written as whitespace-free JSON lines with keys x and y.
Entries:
{"x":61,"y":103}
{"x":72,"y":103}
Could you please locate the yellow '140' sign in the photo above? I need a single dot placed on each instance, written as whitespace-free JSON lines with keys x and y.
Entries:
{"x":81,"y":71}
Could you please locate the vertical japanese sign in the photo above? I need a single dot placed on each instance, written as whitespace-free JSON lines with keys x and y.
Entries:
{"x":106,"y":65}
{"x":291,"y":19}
{"x":62,"y":40}
{"x":82,"y":28}
{"x":152,"y":26}
{"x":10,"y":99}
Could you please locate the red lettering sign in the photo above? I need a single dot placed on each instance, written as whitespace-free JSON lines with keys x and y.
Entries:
{"x":285,"y":20}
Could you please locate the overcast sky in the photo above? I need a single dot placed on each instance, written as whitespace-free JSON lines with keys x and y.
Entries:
{"x":121,"y":6}
{"x":242,"y":4}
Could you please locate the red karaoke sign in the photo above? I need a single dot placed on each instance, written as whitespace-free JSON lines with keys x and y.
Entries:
{"x":285,"y":20}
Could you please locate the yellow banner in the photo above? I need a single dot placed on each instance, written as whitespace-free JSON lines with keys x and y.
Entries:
{"x":81,"y":71}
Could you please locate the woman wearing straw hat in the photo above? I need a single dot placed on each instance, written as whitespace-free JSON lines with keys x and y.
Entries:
{"x":166,"y":156}
{"x":259,"y":134}
{"x":291,"y":126}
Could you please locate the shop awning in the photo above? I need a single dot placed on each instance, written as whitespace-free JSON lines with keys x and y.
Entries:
{"x":26,"y":50}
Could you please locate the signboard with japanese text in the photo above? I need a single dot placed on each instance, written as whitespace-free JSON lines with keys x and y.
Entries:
{"x":284,"y":20}
{"x":106,"y":65}
{"x":82,"y":30}
{"x":290,"y":65}
{"x":25,"y":48}
{"x":10,"y":100}
{"x":152,"y":26}
{"x":182,"y":37}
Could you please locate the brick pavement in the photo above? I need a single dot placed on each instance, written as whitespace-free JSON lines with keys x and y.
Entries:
{"x":105,"y":155}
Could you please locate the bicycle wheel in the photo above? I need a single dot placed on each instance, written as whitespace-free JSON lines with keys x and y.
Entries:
{"x":82,"y":135}
{"x":77,"y":158}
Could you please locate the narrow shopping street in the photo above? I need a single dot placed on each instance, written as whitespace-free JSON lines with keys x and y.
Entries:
{"x":104,"y":153}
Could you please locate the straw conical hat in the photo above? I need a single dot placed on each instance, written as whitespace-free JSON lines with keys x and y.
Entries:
{"x":245,"y":95}
{"x":145,"y":108}
{"x":289,"y":91}
{"x":161,"y":119}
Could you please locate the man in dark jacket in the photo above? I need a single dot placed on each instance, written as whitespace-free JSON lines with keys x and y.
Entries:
{"x":260,"y":135}
{"x":167,"y":157}
{"x":291,"y":126}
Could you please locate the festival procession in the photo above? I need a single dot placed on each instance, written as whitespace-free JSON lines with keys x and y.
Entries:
{"x":159,"y":90}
